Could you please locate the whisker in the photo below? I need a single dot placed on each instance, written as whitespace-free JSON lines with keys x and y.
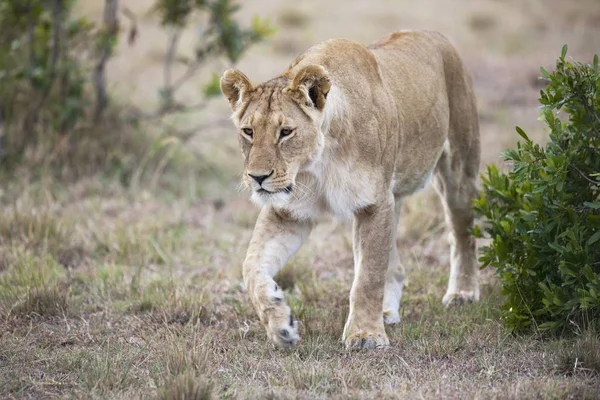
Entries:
{"x":303,"y":190}
{"x":240,"y":187}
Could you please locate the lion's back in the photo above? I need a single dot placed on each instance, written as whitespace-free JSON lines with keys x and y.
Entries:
{"x":432,"y":90}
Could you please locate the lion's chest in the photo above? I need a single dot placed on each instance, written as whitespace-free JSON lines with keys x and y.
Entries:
{"x":340,"y":189}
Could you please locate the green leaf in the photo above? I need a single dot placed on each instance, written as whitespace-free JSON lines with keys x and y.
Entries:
{"x":563,"y":52}
{"x":262,"y":27}
{"x":557,"y":248}
{"x":549,"y":326}
{"x":544,"y":73}
{"x":594,"y":204}
{"x":595,"y":237}
{"x":522,"y":133}
{"x":595,"y":64}
{"x":213,"y":87}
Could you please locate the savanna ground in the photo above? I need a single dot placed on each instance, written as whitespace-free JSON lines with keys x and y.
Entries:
{"x":128,"y":285}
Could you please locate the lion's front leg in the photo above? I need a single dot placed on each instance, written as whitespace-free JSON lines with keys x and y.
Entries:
{"x":274,"y":241}
{"x":372,"y":240}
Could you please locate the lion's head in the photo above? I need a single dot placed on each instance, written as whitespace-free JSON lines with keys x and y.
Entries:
{"x":279,"y":128}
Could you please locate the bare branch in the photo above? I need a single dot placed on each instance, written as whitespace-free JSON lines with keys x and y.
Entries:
{"x":168,"y":89}
{"x":193,"y":67}
{"x":139,"y":115}
{"x":169,"y":105}
{"x":187,"y":134}
{"x":110,"y":30}
{"x":2,"y":136}
{"x":133,"y":31}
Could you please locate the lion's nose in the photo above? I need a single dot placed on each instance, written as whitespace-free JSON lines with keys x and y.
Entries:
{"x":260,"y":178}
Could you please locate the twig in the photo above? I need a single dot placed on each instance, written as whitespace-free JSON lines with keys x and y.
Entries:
{"x":193,"y":68}
{"x":110,"y":29}
{"x":597,"y":120}
{"x":591,"y":109}
{"x":2,"y":146}
{"x":185,"y":135}
{"x":139,"y":115}
{"x":584,"y":175}
{"x":595,"y":116}
{"x":169,"y":105}
{"x":168,"y":89}
{"x":133,"y":31}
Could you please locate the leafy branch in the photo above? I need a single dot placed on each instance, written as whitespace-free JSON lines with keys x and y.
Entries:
{"x":222,"y":36}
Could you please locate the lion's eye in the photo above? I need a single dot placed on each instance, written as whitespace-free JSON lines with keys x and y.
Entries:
{"x":248,"y":131}
{"x":285,"y":132}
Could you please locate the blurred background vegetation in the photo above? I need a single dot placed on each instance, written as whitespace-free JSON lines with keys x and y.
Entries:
{"x":56,"y":110}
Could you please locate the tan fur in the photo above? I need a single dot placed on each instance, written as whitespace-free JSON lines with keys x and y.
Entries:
{"x":351,"y":130}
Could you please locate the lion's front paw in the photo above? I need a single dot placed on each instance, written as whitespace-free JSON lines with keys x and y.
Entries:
{"x":277,"y":317}
{"x":358,"y":339}
{"x":460,"y":297}
{"x":283,"y":331}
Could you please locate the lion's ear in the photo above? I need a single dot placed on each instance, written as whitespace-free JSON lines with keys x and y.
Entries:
{"x":235,"y":85}
{"x":313,"y":82}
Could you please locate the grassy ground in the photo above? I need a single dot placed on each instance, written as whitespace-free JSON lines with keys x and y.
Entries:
{"x":121,"y":296}
{"x":113,"y":291}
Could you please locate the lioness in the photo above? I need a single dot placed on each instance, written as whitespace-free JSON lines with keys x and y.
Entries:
{"x":351,"y":130}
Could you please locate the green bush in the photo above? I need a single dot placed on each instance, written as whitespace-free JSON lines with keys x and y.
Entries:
{"x":543,"y":217}
{"x":41,"y":78}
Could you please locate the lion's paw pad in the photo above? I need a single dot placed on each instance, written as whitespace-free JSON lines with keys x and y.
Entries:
{"x":452,"y":299}
{"x":285,"y":335}
{"x":367,"y":341}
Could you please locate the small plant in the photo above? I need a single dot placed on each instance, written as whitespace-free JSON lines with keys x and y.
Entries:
{"x":543,"y":217}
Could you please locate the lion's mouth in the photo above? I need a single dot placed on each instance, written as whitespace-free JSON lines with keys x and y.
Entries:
{"x":287,"y":189}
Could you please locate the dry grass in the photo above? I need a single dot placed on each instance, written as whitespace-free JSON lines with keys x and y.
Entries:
{"x":187,"y":386}
{"x":156,"y":310}
{"x":128,"y":284}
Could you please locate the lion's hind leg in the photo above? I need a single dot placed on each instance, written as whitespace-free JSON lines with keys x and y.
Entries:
{"x":455,"y":181}
{"x":394,"y":283}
